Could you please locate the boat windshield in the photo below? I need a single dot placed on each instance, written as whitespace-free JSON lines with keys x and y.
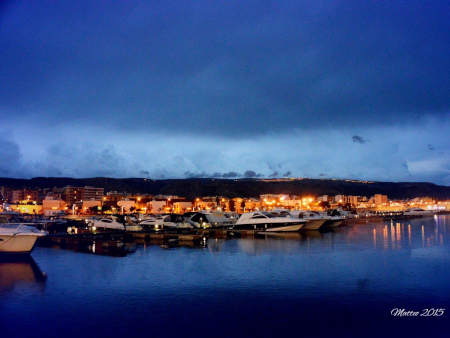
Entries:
{"x":268,"y":214}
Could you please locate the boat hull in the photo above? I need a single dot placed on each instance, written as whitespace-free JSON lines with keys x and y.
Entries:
{"x":17,"y":244}
{"x":332,"y":223}
{"x":271,"y":227}
{"x":314,"y":224}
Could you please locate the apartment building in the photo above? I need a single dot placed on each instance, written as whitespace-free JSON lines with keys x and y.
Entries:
{"x":77,"y":194}
{"x":25,"y":195}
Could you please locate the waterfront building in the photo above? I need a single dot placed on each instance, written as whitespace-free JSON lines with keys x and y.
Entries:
{"x":180,"y":207}
{"x":30,"y":208}
{"x":239,"y":204}
{"x":274,"y":197}
{"x":157,"y":206}
{"x":77,"y":194}
{"x":52,"y":206}
{"x":89,"y":204}
{"x":292,"y":203}
{"x":424,"y":200}
{"x":379,"y":199}
{"x":326,"y":198}
{"x":353,"y":200}
{"x":126,"y":205}
{"x":114,"y":196}
{"x":251,"y":205}
{"x":341,"y":199}
{"x":6,"y":192}
{"x":25,"y":195}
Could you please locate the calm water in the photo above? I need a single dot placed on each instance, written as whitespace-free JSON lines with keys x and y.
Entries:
{"x":342,"y":283}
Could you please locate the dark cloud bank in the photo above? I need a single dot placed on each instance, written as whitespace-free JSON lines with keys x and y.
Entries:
{"x":237,"y":78}
{"x":238,"y":66}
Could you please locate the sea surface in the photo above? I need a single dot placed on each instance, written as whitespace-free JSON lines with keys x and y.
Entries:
{"x":345,"y":283}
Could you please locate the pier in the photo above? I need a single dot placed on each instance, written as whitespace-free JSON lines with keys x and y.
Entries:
{"x":115,"y":243}
{"x":121,"y":242}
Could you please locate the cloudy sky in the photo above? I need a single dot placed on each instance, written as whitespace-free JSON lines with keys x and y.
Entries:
{"x":175,"y":89}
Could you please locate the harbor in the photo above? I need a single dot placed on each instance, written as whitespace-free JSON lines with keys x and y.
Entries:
{"x":121,"y":242}
{"x":166,"y":284}
{"x":224,"y":169}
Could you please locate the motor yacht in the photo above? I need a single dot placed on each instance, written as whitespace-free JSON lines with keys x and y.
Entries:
{"x":265,"y":221}
{"x":211,"y":220}
{"x":315,"y":221}
{"x":112,"y":222}
{"x":163,"y":222}
{"x":418,"y":212}
{"x":333,"y":216}
{"x":18,"y":238}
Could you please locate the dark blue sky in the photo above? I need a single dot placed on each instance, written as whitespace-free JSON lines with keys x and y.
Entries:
{"x":332,"y":89}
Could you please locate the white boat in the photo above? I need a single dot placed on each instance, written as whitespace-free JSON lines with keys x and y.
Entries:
{"x":315,"y":220}
{"x":211,"y":220}
{"x":18,"y":237}
{"x":418,"y":212}
{"x":349,"y":213}
{"x":161,"y":222}
{"x":334,"y":221}
{"x":333,"y":218}
{"x":265,"y":221}
{"x":115,"y":223}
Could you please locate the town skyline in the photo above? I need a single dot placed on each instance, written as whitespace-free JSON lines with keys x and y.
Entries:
{"x":93,"y":200}
{"x":51,"y":195}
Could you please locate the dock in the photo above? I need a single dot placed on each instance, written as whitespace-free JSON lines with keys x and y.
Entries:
{"x":120,"y":242}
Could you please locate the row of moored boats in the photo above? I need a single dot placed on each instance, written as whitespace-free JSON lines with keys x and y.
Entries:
{"x":274,"y":221}
{"x":17,"y":236}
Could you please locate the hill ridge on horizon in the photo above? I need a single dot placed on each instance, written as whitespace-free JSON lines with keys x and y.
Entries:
{"x":225,"y":179}
{"x":239,"y":187}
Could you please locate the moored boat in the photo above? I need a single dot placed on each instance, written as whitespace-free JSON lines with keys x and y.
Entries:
{"x":18,"y":238}
{"x":265,"y":221}
{"x":315,"y":220}
{"x":418,"y":212}
{"x":162,"y":222}
{"x":111,"y":222}
{"x":210,"y":220}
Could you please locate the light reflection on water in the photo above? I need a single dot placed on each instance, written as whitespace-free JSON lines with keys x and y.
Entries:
{"x":340,"y":283}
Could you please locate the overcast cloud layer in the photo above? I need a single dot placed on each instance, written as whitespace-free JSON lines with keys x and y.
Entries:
{"x":331,"y":89}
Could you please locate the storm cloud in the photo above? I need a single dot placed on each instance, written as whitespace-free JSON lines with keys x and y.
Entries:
{"x":293,"y":64}
{"x":209,"y":89}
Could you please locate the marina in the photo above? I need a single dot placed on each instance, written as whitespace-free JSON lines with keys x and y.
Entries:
{"x":224,"y":169}
{"x":247,"y":284}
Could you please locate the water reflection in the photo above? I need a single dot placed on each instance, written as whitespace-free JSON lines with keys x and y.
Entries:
{"x":119,"y":249}
{"x":272,"y":285}
{"x":97,"y":247}
{"x":379,"y":236}
{"x":20,"y":270}
{"x":408,"y":235}
{"x":422,"y":232}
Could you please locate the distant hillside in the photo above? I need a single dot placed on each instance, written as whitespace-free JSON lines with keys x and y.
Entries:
{"x":191,"y":188}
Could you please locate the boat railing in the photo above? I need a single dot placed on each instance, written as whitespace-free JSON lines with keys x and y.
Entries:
{"x":15,"y":227}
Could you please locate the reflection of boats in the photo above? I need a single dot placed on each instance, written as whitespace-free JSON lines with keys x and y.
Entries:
{"x":313,"y":234}
{"x":119,"y":249}
{"x":262,"y":220}
{"x":18,"y":237}
{"x":418,"y":212}
{"x":19,"y":269}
